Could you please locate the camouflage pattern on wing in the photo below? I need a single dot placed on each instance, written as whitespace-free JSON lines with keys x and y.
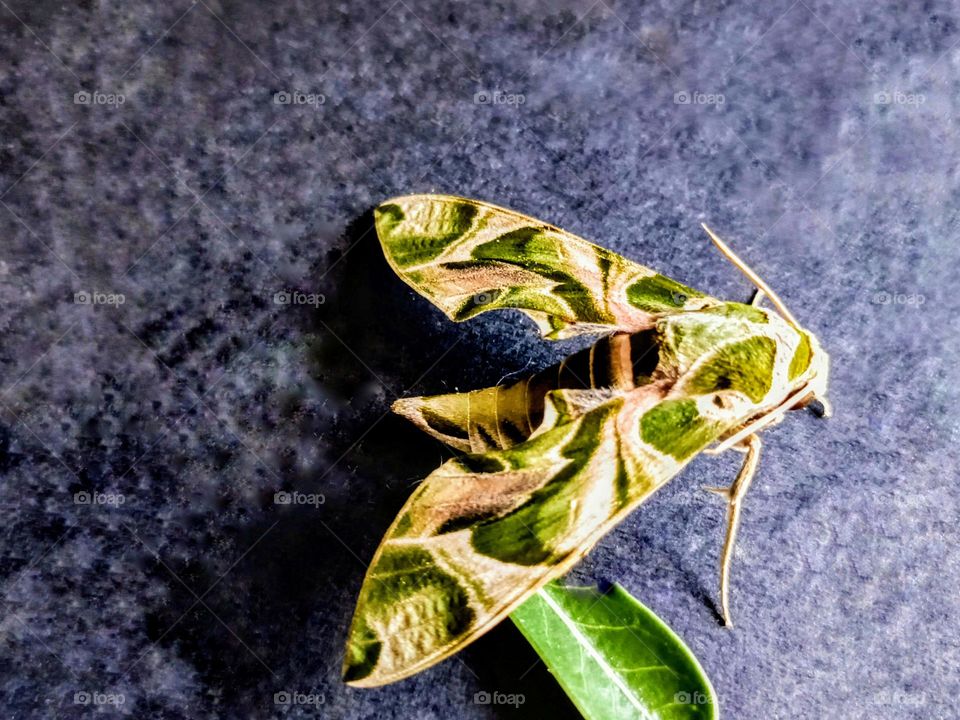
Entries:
{"x":468,"y":257}
{"x":486,"y":530}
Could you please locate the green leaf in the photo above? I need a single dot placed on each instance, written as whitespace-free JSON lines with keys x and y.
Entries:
{"x":614,"y":657}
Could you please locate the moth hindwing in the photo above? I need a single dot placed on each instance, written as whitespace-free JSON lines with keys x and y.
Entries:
{"x":557,"y":459}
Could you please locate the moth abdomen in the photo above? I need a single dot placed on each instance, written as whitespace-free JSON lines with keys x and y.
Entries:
{"x":503,"y":416}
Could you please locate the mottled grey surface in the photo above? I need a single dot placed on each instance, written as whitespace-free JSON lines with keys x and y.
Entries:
{"x":831,"y":164}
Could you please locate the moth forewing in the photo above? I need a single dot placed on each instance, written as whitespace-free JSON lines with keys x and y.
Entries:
{"x":469,"y":257}
{"x":486,"y":531}
{"x":544,"y":501}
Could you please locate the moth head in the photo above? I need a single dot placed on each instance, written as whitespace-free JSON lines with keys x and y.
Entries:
{"x":816,"y":377}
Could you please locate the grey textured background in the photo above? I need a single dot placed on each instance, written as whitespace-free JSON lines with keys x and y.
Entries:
{"x":831,"y":164}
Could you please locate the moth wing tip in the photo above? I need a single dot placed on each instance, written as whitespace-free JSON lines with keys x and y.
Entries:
{"x":372,"y":680}
{"x":404,"y":406}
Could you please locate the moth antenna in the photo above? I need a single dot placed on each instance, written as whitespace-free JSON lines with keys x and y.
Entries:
{"x":752,"y":277}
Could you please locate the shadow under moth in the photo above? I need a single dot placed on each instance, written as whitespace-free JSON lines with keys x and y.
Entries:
{"x":554,"y":461}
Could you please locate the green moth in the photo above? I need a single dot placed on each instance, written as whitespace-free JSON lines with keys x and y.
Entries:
{"x":554,"y":461}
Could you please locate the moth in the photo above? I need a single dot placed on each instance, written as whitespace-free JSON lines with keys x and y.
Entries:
{"x":553,"y":461}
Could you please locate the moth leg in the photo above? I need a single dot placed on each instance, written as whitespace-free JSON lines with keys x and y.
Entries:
{"x":757,"y":298}
{"x":713,"y":451}
{"x":734,"y":495}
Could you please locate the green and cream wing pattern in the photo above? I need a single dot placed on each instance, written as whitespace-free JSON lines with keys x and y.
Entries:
{"x":486,"y":530}
{"x":558,"y":459}
{"x":468,"y":257}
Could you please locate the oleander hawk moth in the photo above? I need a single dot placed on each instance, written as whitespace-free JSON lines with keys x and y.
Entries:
{"x":552,"y":462}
